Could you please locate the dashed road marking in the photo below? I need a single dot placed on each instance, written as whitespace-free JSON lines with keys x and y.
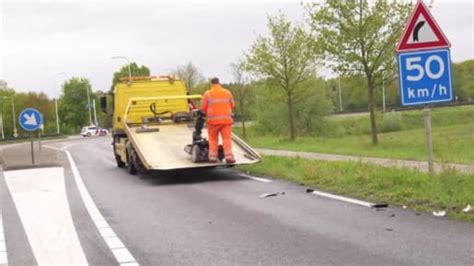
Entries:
{"x":121,"y":253}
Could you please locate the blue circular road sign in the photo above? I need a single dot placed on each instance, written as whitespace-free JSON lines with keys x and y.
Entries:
{"x":30,"y":119}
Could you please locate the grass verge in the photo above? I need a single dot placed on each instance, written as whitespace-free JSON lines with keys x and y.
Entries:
{"x":448,"y":191}
{"x":451,"y":144}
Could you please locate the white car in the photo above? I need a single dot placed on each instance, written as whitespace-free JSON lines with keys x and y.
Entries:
{"x":93,"y":131}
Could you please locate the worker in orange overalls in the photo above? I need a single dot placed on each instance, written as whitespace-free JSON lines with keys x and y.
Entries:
{"x":218,"y":104}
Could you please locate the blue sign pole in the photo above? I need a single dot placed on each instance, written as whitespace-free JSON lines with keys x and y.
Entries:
{"x":425,"y":78}
{"x":30,"y":120}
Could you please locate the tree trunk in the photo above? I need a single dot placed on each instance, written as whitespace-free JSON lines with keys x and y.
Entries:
{"x":373,"y":125}
{"x":290,"y":116}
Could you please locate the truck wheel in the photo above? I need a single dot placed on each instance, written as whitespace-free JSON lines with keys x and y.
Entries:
{"x":132,"y":169}
{"x":120,"y":164}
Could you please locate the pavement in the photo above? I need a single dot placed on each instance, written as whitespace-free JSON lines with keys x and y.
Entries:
{"x":205,"y":217}
{"x":19,"y":156}
{"x":409,"y":164}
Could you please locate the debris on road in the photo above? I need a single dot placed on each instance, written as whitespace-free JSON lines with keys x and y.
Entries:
{"x":468,"y":208}
{"x":389,"y":229}
{"x":266,"y":195}
{"x":404,"y":206}
{"x":439,"y":214}
{"x":309,"y":190}
{"x":379,"y":205}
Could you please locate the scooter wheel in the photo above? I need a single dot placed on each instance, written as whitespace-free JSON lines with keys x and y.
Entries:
{"x":196,"y":151}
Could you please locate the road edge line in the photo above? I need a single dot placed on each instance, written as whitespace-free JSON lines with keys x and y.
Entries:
{"x":3,"y":243}
{"x":104,"y":229}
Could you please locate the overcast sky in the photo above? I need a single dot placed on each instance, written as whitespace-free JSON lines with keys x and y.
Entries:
{"x":41,"y":39}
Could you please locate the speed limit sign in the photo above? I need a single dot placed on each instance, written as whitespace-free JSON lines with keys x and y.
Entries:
{"x":425,"y":77}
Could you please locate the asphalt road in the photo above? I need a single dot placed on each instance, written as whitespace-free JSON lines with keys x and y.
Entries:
{"x":215,"y":217}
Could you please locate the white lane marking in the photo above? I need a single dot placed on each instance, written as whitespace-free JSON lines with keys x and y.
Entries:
{"x":121,"y":253}
{"x":341,"y":198}
{"x":41,"y":200}
{"x":256,"y":178}
{"x":3,"y":244}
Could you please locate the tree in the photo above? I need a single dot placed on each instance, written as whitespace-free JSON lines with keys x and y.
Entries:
{"x":463,"y":81}
{"x":241,"y":90}
{"x":286,"y":58}
{"x":136,"y":71}
{"x":73,"y":103}
{"x":359,"y":38}
{"x":190,"y":75}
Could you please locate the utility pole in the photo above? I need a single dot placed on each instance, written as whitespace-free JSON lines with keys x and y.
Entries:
{"x":1,"y":123}
{"x":128,"y":64}
{"x":95,"y":112}
{"x":89,"y":105}
{"x":383,"y":92}
{"x":56,"y":102}
{"x":340,"y":95}
{"x":15,"y":132}
{"x":1,"y":119}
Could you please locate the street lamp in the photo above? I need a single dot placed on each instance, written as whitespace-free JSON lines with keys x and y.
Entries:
{"x":129,"y":70}
{"x":3,"y":85}
{"x":56,"y":100}
{"x":89,"y":105}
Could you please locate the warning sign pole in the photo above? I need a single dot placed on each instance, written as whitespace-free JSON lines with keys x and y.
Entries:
{"x":429,"y":139}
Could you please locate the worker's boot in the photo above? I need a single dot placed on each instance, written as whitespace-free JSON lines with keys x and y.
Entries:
{"x":230,"y":159}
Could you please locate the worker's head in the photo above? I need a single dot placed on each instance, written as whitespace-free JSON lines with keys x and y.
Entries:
{"x":215,"y":80}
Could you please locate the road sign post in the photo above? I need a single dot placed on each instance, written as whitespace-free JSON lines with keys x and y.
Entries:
{"x":30,"y":120}
{"x":429,"y":139}
{"x":424,"y":65}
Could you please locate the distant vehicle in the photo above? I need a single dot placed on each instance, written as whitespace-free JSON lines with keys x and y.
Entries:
{"x":93,"y":131}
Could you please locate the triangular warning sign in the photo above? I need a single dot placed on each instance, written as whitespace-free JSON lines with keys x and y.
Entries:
{"x":422,"y":32}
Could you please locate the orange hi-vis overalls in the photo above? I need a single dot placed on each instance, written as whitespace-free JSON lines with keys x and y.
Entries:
{"x":218,"y":104}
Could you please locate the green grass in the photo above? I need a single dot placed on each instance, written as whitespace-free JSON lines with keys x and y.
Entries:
{"x":448,"y":191}
{"x":412,"y":119}
{"x":451,"y":144}
{"x":453,"y":138}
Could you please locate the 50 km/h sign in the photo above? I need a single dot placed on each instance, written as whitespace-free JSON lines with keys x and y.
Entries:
{"x":425,"y":77}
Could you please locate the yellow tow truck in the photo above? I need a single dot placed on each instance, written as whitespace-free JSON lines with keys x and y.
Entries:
{"x":154,"y":127}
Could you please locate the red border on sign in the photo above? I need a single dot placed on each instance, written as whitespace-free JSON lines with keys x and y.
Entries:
{"x":442,"y":42}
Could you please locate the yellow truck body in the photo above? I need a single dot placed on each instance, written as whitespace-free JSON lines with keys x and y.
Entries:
{"x":149,"y":130}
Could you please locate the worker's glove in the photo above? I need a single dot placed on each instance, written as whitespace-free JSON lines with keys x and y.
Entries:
{"x":201,"y":113}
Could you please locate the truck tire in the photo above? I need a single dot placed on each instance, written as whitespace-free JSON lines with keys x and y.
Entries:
{"x":118,"y":159}
{"x":120,"y":164}
{"x":131,"y":164}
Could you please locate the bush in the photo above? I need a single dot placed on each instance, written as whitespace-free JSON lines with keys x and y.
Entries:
{"x":391,"y":122}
